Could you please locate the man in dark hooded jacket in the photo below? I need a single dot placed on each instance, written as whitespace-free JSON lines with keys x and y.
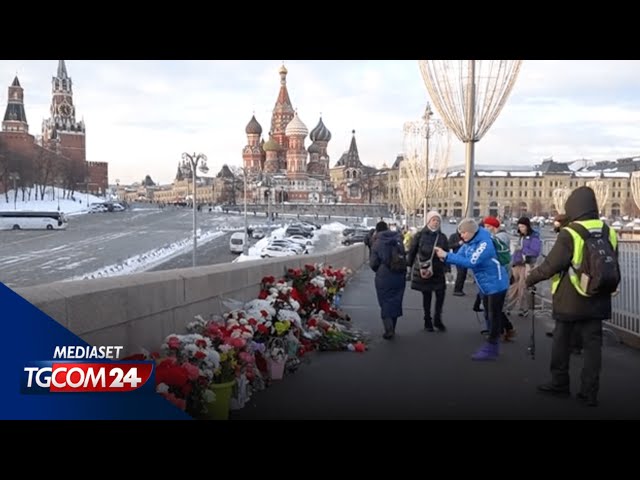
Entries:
{"x":571,"y":310}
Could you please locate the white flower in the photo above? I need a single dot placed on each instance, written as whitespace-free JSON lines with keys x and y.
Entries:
{"x":291,"y":316}
{"x":213,"y":358}
{"x":232,"y":323}
{"x":191,"y":349}
{"x":243,"y":321}
{"x":235,"y":334}
{"x":208,"y":396}
{"x":162,"y":388}
{"x":247,"y":335}
{"x":294,"y":304}
{"x":225,"y":348}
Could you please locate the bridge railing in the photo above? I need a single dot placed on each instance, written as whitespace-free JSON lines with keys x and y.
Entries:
{"x":626,"y":304}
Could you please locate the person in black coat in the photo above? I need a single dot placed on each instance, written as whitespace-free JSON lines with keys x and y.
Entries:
{"x":390,"y":285}
{"x":420,"y":252}
{"x":571,"y":310}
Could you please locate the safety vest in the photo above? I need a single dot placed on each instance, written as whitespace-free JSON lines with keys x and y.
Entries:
{"x":578,"y":249}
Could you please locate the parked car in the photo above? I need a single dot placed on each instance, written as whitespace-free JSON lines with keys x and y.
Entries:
{"x":258,"y":233}
{"x":299,"y":239}
{"x":355,"y":238}
{"x":276,"y":251}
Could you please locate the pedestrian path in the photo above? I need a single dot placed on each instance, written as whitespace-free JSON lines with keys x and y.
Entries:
{"x":422,"y":375}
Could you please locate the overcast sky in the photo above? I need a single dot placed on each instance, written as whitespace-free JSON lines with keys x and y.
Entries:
{"x":141,"y":115}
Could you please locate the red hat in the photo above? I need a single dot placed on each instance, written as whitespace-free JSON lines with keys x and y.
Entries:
{"x":492,"y":221}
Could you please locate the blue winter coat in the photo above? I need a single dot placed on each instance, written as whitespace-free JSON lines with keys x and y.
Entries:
{"x":389,"y":285}
{"x":480,"y":256}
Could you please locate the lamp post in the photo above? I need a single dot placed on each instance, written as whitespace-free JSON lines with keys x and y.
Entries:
{"x":245,"y":246}
{"x":191,"y":162}
{"x":427,"y":117}
{"x":15,"y":176}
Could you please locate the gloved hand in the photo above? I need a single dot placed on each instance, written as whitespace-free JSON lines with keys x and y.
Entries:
{"x":408,"y":276}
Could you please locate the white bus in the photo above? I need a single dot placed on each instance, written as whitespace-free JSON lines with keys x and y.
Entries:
{"x":28,"y":220}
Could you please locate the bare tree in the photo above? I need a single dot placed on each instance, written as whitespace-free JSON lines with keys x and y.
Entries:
{"x":536,"y":207}
{"x":601,"y":189}
{"x":371,"y":184}
{"x":630,"y":208}
{"x":45,"y":168}
{"x":409,"y":191}
{"x":635,"y":188}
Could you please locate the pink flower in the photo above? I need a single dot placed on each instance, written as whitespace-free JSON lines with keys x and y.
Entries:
{"x":237,"y":342}
{"x":173,"y":343}
{"x":192,"y":371}
{"x":246,"y":357}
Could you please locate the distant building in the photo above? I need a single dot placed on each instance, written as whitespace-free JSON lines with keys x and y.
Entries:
{"x":59,"y":156}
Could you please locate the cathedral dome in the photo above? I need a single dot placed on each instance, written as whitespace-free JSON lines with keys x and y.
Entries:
{"x":314,"y":148}
{"x":253,"y":127}
{"x":296,"y":127}
{"x":320,"y":133}
{"x":271,"y":145}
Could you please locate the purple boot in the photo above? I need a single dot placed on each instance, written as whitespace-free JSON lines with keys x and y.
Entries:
{"x":488,"y":351}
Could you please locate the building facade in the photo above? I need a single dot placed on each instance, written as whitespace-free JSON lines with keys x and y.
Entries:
{"x":61,"y":149}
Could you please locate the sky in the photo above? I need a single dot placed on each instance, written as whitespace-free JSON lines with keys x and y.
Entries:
{"x":142,"y":115}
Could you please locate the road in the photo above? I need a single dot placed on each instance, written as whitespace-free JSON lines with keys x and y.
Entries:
{"x":95,"y":241}
{"x":99,"y":244}
{"x":103,"y":242}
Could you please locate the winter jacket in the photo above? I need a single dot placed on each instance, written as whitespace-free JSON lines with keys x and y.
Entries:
{"x":568,"y":304}
{"x":479,"y":255}
{"x":529,"y":250}
{"x":420,"y":251}
{"x":390,"y":285}
{"x":454,"y":242}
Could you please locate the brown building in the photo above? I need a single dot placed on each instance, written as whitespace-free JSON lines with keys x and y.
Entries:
{"x":59,"y":157}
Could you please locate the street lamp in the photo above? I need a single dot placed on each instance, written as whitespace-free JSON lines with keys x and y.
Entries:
{"x":15,"y":176}
{"x":427,"y":118}
{"x":191,"y":162}
{"x":245,"y":245}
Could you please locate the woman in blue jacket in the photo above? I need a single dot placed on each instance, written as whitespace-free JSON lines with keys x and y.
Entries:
{"x":479,"y":255}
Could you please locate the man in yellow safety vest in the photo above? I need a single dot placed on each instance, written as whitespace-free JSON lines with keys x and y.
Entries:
{"x":573,"y":308}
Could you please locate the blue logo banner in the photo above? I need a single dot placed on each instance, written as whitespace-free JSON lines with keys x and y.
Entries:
{"x":30,"y":340}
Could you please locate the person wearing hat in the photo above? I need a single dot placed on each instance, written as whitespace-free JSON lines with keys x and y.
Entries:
{"x":479,"y":255}
{"x":428,"y":271}
{"x":523,"y":259}
{"x":492,"y":224}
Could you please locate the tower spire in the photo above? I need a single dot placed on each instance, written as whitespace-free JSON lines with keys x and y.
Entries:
{"x":62,"y":70}
{"x":15,"y":118}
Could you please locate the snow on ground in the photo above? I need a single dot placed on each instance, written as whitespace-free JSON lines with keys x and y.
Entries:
{"x":52,"y":200}
{"x":327,"y":236}
{"x":150,"y":259}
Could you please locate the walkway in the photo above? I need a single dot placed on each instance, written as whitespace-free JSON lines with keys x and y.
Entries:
{"x":421,"y":375}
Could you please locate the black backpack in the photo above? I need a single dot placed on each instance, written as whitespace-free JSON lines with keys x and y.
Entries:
{"x":397,"y":261}
{"x":599,"y":273}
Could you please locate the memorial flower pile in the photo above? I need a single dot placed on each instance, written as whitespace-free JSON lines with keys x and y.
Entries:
{"x":291,"y":316}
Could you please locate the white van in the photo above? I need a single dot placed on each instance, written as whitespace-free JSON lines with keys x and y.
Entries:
{"x":236,"y":242}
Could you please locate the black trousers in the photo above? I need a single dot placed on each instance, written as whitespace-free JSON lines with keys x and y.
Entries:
{"x":590,"y":331}
{"x":426,"y":306}
{"x":494,"y":305}
{"x":503,"y":320}
{"x":461,"y":276}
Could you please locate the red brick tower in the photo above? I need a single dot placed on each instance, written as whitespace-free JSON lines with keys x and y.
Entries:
{"x":62,"y":126}
{"x":15,"y":118}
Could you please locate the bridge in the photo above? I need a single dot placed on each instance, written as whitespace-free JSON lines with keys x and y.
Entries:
{"x":417,"y":375}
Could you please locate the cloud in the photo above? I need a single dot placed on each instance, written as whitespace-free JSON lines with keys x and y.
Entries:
{"x":141,"y":115}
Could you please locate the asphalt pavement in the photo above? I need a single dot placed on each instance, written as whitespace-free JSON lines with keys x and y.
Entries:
{"x":430,"y":375}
